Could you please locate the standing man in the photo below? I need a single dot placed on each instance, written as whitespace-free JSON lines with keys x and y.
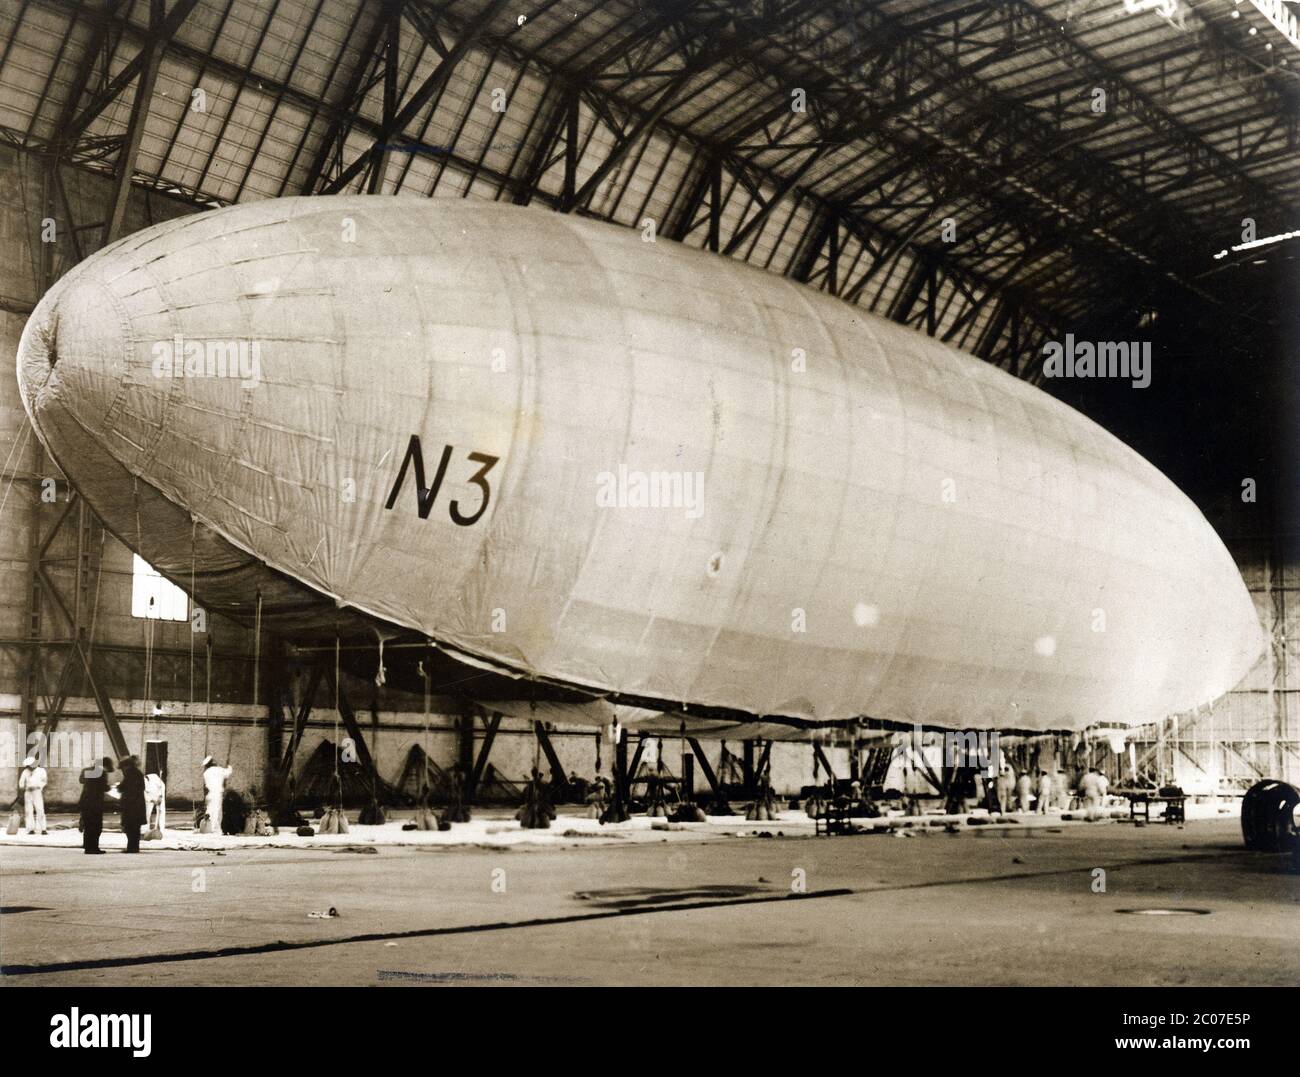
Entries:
{"x":1090,"y":788}
{"x":131,"y":790}
{"x":32,"y":781}
{"x":94,"y":786}
{"x":214,"y":785}
{"x":1025,"y":790}
{"x":1006,"y":788}
{"x":1044,"y":792}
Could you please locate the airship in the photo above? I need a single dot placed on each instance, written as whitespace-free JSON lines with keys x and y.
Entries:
{"x":548,"y":459}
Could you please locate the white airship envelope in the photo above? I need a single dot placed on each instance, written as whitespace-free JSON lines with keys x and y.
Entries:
{"x":669,"y":477}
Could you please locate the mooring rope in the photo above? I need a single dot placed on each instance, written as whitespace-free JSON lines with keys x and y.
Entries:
{"x":257,"y":652}
{"x":193,"y":527}
{"x":207,"y":707}
{"x":338,"y":780}
{"x":148,"y":676}
{"x":257,"y":674}
{"x":428,"y":692}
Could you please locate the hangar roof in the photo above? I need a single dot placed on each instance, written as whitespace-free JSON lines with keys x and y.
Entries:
{"x":990,"y":172}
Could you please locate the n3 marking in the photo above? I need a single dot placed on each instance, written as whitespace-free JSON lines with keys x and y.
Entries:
{"x":425,"y":496}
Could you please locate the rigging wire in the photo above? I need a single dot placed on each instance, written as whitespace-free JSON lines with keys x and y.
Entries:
{"x":257,"y":665}
{"x":149,"y":624}
{"x":338,"y":781}
{"x":193,"y":528}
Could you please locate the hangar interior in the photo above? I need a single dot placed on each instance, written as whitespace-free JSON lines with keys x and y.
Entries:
{"x":995,"y":175}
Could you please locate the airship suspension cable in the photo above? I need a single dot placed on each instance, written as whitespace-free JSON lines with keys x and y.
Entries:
{"x":424,"y":766}
{"x":537,"y":741}
{"x":257,"y":653}
{"x":194,"y":523}
{"x":150,"y":620}
{"x":681,"y":765}
{"x":230,"y":737}
{"x":338,"y":781}
{"x":257,"y":669}
{"x":207,"y":707}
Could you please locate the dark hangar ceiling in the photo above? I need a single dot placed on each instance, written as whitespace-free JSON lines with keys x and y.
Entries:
{"x":1089,"y":159}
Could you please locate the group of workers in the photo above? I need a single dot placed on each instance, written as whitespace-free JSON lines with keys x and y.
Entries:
{"x":142,"y":799}
{"x":1020,"y":791}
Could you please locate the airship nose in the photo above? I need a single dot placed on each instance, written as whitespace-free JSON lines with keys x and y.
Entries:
{"x":73,"y":352}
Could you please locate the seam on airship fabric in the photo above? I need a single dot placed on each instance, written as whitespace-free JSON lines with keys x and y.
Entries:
{"x":832,"y":348}
{"x":773,"y":486}
{"x":575,"y":228}
{"x":731,"y":289}
{"x":299,"y":221}
{"x":127,"y":338}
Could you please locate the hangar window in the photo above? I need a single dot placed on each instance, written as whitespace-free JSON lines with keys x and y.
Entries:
{"x":153,"y":596}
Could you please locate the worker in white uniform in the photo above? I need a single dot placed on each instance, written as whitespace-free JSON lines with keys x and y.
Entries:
{"x":1024,"y":790}
{"x":1006,"y":788}
{"x":155,"y":800}
{"x":32,"y":781}
{"x":214,"y":785}
{"x":1089,"y":790}
{"x":1044,"y":792}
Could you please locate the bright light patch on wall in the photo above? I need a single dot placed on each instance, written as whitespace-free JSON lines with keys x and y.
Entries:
{"x":153,"y":596}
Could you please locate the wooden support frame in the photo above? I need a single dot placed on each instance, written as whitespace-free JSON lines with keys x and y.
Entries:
{"x":719,"y":804}
{"x":354,"y":730}
{"x":295,"y":737}
{"x":490,"y":727}
{"x":558,"y":777}
{"x":826,"y":763}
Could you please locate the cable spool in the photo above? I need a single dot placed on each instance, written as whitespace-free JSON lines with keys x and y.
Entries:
{"x":1268,"y":816}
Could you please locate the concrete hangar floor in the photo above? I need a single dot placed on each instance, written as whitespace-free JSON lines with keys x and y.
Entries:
{"x":723,"y":903}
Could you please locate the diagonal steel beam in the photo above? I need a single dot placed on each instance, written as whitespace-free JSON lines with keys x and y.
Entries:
{"x":342,"y":110}
{"x":160,"y":32}
{"x":432,"y":85}
{"x":392,"y":62}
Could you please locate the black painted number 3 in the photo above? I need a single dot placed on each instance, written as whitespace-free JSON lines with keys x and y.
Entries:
{"x":426,"y":495}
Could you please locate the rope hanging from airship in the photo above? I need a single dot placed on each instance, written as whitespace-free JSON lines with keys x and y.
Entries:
{"x":207,"y":706}
{"x":257,"y":654}
{"x":194,"y":523}
{"x":338,"y":778}
{"x":257,"y":680}
{"x":424,"y":744}
{"x":537,"y":741}
{"x":149,"y":621}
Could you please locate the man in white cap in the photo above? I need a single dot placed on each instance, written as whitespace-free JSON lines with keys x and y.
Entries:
{"x":32,"y":781}
{"x":214,"y":784}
